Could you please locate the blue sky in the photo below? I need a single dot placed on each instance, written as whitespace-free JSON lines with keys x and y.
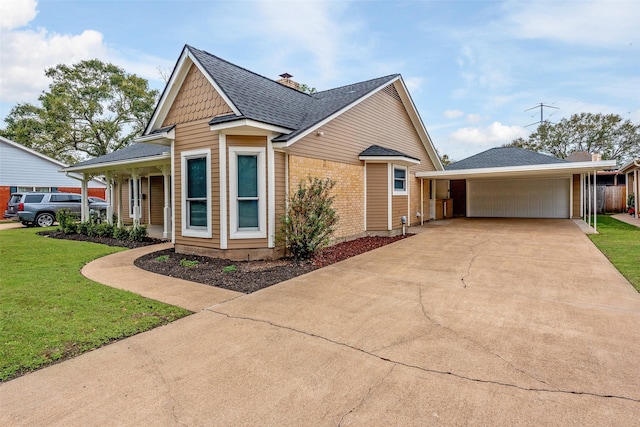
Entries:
{"x":472,"y":67}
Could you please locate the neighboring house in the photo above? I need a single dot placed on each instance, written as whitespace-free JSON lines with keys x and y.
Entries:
{"x":510,"y":182}
{"x":632,"y":173}
{"x":225,"y":147}
{"x":23,"y":169}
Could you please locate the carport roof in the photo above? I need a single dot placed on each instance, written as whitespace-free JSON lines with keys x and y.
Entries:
{"x":513,"y":162}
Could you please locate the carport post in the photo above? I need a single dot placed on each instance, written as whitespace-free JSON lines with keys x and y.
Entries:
{"x":589,"y":198}
{"x":595,"y":205}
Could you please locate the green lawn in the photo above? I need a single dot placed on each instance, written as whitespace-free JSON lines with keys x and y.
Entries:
{"x":620,"y":242}
{"x":50,"y":312}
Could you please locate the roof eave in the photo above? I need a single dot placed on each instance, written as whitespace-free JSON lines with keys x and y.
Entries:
{"x":143,"y":161}
{"x":403,"y":160}
{"x":162,"y":138}
{"x":248,"y":123}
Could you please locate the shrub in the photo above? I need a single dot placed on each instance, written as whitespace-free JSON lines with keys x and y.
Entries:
{"x":309,"y":219}
{"x":121,"y":233}
{"x":138,"y":234}
{"x":104,"y":229}
{"x":66,"y":221}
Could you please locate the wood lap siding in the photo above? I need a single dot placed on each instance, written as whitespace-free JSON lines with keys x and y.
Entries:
{"x":377,"y":196}
{"x":193,"y":136}
{"x":398,"y":210}
{"x":380,"y":119}
{"x":280,"y":176}
{"x":576,"y":196}
{"x":156,"y":200}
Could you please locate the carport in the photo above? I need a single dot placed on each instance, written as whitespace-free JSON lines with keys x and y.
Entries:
{"x":557,"y":189}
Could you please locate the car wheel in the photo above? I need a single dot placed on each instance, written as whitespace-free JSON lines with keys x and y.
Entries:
{"x":45,"y":220}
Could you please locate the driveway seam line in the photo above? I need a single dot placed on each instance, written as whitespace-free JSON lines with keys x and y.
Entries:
{"x":433,"y":371}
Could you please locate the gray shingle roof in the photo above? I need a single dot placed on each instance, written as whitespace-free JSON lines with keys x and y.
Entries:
{"x":378,"y":151}
{"x":503,"y":157}
{"x":267,"y":101}
{"x":130,"y":152}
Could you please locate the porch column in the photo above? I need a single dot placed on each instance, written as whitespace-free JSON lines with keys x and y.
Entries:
{"x":636,"y":193}
{"x":120,"y":222}
{"x":109,"y":194}
{"x":84,"y":206}
{"x":166,"y":174}
{"x":432,"y":200}
{"x":135,"y":175}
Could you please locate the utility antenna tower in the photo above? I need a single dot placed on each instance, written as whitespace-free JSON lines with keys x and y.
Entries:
{"x":541,"y":106}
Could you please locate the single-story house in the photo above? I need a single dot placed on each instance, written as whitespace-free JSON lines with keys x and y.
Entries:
{"x":632,"y":172}
{"x":225,"y":147}
{"x":510,"y":182}
{"x":24,"y":169}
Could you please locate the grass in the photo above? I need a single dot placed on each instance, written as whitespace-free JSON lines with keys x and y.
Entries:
{"x":50,"y":312}
{"x":620,"y":242}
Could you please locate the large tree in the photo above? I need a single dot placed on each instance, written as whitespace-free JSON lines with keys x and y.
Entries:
{"x":606,"y":134}
{"x":90,"y":109}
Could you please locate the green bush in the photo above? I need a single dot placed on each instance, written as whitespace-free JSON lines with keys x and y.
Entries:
{"x":138,"y":234}
{"x":121,"y":233}
{"x":309,"y":219}
{"x":104,"y":229}
{"x":66,"y":221}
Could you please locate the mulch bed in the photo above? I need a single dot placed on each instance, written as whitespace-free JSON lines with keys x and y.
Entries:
{"x":241,"y":276}
{"x":109,"y":241}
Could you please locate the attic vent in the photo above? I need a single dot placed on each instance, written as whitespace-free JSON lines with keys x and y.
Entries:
{"x":286,"y":80}
{"x":392,"y":92}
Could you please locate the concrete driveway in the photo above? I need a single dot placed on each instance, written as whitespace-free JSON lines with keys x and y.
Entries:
{"x":471,"y":322}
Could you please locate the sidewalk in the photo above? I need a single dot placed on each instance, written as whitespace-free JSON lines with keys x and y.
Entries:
{"x":627,"y":218}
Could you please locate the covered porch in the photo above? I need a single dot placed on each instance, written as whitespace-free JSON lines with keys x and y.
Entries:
{"x":138,"y":189}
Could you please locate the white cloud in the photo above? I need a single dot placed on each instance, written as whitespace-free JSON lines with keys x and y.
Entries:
{"x":474,"y":118}
{"x":590,"y":23}
{"x":23,"y":69}
{"x":414,"y":83}
{"x":453,"y":114}
{"x":16,"y":13}
{"x":493,"y":135}
{"x":27,"y":53}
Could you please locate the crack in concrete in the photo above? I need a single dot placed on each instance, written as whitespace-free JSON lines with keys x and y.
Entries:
{"x":474,"y":342}
{"x":427,"y":370}
{"x":366,"y":396}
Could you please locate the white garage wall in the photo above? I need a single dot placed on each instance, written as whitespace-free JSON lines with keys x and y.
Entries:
{"x":519,"y":198}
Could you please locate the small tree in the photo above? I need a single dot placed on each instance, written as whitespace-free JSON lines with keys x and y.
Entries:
{"x":309,"y":220}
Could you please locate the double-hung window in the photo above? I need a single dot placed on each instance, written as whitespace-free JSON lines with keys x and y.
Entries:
{"x":247,"y":192}
{"x":196,"y":193}
{"x":399,"y":180}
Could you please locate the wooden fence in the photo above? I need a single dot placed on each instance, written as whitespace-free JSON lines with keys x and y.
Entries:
{"x":611,"y":198}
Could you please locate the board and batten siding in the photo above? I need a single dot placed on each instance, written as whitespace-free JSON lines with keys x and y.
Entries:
{"x":377,"y":196}
{"x":380,"y":120}
{"x":194,"y":136}
{"x":245,"y":141}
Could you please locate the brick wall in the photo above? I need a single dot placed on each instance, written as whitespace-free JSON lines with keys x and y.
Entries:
{"x":349,"y":189}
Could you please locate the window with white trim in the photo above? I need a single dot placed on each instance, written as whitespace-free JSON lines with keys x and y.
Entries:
{"x":196,"y":193}
{"x":247,"y":193}
{"x":399,"y":180}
